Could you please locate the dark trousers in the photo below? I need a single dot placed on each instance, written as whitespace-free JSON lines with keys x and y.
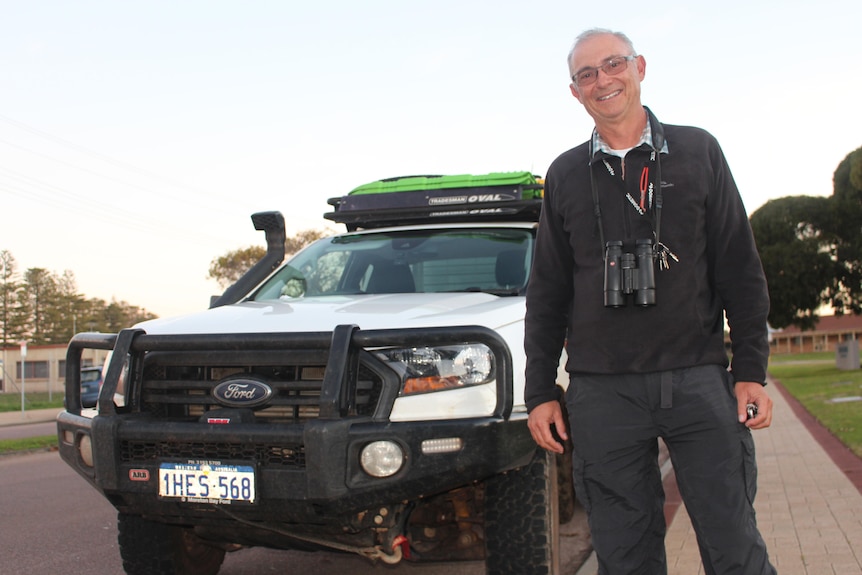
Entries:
{"x":615,"y":425}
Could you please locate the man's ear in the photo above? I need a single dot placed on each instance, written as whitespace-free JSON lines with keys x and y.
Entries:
{"x":575,"y":92}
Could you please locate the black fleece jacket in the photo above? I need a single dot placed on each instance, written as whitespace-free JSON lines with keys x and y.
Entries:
{"x":703,"y":222}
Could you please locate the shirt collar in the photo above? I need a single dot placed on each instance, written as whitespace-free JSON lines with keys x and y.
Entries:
{"x":599,"y":145}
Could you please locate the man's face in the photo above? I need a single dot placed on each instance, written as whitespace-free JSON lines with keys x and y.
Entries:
{"x":610,"y":98}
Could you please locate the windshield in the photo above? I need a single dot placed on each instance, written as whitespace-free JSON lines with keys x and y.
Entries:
{"x":493,"y":260}
{"x":88,"y":375}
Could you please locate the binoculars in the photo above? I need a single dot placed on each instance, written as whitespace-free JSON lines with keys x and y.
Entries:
{"x":629,"y":273}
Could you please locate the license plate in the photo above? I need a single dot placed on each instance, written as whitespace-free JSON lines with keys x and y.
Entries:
{"x":207,"y":482}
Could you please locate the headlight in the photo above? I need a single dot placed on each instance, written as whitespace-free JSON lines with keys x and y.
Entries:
{"x":424,"y":369}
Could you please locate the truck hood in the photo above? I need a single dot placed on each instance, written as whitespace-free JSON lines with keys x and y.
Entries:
{"x":366,"y":311}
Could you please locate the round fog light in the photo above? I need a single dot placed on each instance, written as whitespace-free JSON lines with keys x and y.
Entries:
{"x":381,"y":458}
{"x":85,"y":449}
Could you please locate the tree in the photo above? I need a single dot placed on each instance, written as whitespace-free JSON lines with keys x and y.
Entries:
{"x":71,"y":306}
{"x":798,"y":269}
{"x":811,"y":248}
{"x":36,"y":295}
{"x":846,"y":234}
{"x":227,"y":269}
{"x":44,"y":308}
{"x":8,"y":289}
{"x":302,"y":239}
{"x":120,"y":314}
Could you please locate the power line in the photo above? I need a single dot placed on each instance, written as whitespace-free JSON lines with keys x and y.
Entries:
{"x":205,"y":195}
{"x":32,"y":188}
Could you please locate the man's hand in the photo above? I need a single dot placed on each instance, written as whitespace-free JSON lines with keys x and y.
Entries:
{"x":753,"y":392}
{"x":540,"y":420}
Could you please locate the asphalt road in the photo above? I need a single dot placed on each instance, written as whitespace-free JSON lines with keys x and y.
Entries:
{"x":54,"y":522}
{"x":28,"y":430}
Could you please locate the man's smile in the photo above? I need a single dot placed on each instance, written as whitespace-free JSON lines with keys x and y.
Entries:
{"x":609,"y":96}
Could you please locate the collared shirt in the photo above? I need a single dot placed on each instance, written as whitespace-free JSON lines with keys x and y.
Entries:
{"x":646,"y":138}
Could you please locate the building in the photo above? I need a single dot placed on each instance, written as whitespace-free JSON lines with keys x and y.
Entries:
{"x":42,"y":370}
{"x":826,"y":335}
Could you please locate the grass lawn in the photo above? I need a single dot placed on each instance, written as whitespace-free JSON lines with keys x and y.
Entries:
{"x":40,"y":443}
{"x":826,"y":392}
{"x":12,"y":401}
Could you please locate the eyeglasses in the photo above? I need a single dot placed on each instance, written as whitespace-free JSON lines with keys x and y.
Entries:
{"x":614,"y":66}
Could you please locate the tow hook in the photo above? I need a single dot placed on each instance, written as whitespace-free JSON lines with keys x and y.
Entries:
{"x":377,"y":552}
{"x":402,"y":543}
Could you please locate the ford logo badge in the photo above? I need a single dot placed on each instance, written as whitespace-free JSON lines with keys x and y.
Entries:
{"x":242,"y":392}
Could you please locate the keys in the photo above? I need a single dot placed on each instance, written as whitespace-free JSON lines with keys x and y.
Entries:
{"x":664,"y":256}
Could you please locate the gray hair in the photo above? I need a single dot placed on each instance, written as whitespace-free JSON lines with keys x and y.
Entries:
{"x":592,"y":32}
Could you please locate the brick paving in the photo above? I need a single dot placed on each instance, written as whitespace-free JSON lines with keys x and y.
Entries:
{"x":808,"y":510}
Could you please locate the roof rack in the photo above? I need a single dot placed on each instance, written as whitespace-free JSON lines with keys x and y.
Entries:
{"x":501,"y":196}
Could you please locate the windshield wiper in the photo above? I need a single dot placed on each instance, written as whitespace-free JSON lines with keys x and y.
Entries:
{"x":503,"y":292}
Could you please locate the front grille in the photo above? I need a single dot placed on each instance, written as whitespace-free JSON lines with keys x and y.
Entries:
{"x":140,"y":452}
{"x":183,"y":393}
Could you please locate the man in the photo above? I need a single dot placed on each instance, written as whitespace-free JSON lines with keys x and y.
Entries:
{"x":643,"y":245}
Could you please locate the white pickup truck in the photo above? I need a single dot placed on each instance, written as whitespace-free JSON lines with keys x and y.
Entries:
{"x":364,"y":396}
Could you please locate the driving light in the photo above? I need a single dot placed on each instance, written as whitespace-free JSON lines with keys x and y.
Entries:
{"x":85,"y":449}
{"x":442,"y":445}
{"x":426,"y":369}
{"x":381,"y":458}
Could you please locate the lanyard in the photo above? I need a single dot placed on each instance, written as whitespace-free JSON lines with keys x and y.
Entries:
{"x":650,"y":195}
{"x":645,"y":185}
{"x":650,"y":189}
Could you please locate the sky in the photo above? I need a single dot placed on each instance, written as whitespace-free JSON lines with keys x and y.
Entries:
{"x":138,"y":137}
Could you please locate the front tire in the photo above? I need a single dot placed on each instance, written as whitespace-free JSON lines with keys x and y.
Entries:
{"x":522,"y":520}
{"x":151,"y":548}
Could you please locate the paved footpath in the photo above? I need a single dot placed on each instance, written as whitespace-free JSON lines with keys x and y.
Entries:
{"x":808,"y":509}
{"x":10,"y":418}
